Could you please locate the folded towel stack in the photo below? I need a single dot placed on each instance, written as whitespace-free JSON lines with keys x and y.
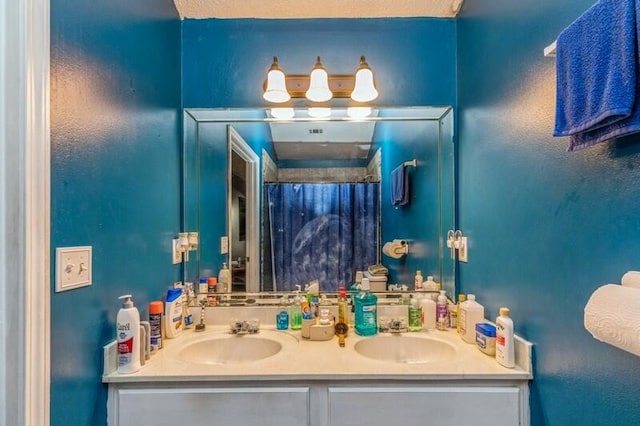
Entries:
{"x":597,"y":84}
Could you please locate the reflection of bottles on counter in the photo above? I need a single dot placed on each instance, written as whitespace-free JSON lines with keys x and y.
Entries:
{"x":224,"y":278}
{"x":343,"y":308}
{"x":431,"y":286}
{"x":296,"y":311}
{"x":366,"y":306}
{"x":417,"y":281}
{"x":282,"y":317}
{"x":212,"y":284}
{"x":442,"y":311}
{"x":415,"y":314}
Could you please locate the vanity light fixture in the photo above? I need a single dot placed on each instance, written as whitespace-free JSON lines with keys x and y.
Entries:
{"x":319,"y":85}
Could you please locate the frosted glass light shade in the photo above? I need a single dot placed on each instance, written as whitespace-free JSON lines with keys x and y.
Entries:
{"x":276,"y":90}
{"x":358,"y":112}
{"x":282,"y":113}
{"x":319,"y":84}
{"x":319,"y":112}
{"x":365,"y":89}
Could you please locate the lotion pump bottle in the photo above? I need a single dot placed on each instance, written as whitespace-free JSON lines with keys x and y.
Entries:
{"x":128,"y":335}
{"x":505,"y":354}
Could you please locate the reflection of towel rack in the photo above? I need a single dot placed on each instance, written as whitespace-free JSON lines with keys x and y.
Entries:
{"x":550,"y":50}
{"x":412,"y":163}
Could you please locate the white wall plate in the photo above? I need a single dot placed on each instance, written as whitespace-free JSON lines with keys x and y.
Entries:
{"x":73,"y":267}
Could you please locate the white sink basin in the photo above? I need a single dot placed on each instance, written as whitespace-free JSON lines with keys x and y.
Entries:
{"x":229,"y":349}
{"x":403,"y":349}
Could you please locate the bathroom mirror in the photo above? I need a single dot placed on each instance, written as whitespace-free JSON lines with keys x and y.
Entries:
{"x":284,"y":201}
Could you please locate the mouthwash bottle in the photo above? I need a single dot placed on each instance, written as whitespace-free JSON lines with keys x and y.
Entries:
{"x":366,"y":307}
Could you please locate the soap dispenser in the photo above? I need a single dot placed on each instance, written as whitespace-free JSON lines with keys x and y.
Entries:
{"x":128,"y":336}
{"x":296,"y":311}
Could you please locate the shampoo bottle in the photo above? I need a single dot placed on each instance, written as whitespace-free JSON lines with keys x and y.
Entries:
{"x":471,"y":313}
{"x":505,"y":352}
{"x":128,"y":335}
{"x":366,"y":307}
{"x":174,"y":321}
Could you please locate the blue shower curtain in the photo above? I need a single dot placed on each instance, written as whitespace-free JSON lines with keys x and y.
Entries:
{"x":321,"y":231}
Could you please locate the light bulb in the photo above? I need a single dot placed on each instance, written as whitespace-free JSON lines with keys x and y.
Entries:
{"x":364,"y":90}
{"x":319,"y":84}
{"x":276,"y":90}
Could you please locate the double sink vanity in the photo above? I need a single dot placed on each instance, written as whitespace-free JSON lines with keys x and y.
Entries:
{"x":279,"y":378}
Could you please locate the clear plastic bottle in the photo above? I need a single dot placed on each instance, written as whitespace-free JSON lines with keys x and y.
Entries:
{"x":428,"y":308}
{"x":430,"y":285}
{"x":366,"y":306}
{"x":442,"y":310}
{"x":505,"y":351}
{"x":461,"y":298}
{"x":471,"y":313}
{"x":296,"y":311}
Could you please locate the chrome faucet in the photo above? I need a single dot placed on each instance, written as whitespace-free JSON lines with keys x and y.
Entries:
{"x":394,"y":325}
{"x":245,"y":327}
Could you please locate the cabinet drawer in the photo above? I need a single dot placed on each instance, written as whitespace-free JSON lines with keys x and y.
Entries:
{"x":218,"y":406}
{"x":421,"y":406}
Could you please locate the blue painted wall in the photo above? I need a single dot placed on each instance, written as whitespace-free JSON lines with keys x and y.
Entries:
{"x":414,"y":60}
{"x":115,"y":132}
{"x":545,"y":227}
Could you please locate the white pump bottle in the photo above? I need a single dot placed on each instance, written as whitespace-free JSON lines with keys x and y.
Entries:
{"x":128,"y":335}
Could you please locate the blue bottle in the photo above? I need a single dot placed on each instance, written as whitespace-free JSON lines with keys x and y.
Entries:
{"x":282,"y":317}
{"x":366,"y":311}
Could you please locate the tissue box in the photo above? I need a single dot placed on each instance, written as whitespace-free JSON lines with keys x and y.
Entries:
{"x":377,"y":282}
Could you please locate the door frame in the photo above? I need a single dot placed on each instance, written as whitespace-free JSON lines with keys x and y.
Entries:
{"x":24,"y":213}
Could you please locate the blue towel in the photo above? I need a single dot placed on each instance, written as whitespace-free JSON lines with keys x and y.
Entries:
{"x":400,"y":195}
{"x":596,"y":74}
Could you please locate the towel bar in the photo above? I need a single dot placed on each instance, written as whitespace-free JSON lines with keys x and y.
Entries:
{"x":412,"y":163}
{"x":550,"y":50}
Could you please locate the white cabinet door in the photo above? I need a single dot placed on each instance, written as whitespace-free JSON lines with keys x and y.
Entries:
{"x":281,"y":406}
{"x":424,"y":406}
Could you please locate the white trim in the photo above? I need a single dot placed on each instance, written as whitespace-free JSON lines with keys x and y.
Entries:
{"x":240,"y":146}
{"x":24,"y":213}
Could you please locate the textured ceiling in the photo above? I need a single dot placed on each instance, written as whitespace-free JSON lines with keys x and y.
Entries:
{"x":292,"y":9}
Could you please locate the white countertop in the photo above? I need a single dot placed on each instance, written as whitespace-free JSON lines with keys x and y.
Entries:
{"x":301,"y":359}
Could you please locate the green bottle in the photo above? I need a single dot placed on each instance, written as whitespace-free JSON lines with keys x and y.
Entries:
{"x":296,"y":311}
